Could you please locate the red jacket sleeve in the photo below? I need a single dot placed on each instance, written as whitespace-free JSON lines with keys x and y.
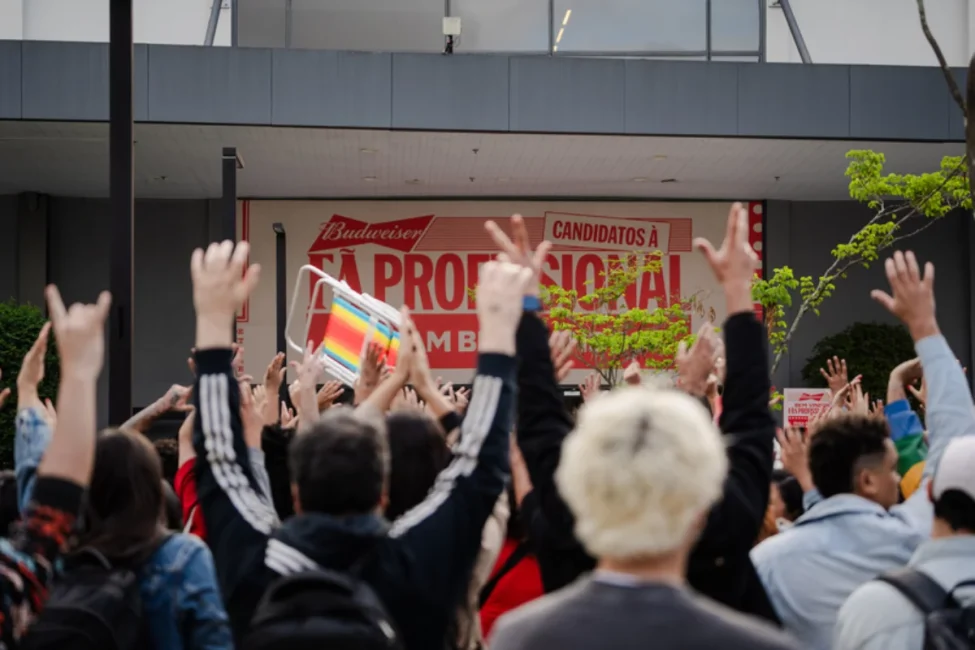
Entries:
{"x":186,"y":491}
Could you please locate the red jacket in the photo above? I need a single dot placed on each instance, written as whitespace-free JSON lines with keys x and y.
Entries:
{"x":520,"y":585}
{"x":185,"y":484}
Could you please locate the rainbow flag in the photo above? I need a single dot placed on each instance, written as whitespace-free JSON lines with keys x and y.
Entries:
{"x":346,"y":332}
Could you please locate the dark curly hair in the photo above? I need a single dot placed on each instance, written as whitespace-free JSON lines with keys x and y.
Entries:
{"x":842,"y":447}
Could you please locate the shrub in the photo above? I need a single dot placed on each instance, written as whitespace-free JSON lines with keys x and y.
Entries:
{"x":870,"y":349}
{"x":19,"y":327}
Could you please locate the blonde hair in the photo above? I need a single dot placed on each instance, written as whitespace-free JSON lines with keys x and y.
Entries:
{"x":639,"y":470}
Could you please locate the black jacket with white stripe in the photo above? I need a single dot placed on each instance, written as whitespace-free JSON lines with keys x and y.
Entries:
{"x":719,"y":566}
{"x":420,"y":565}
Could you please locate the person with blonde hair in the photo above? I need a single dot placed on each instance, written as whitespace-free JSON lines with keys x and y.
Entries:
{"x":640,"y":475}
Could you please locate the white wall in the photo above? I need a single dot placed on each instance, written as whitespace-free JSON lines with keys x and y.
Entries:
{"x":170,"y":22}
{"x":873,"y":32}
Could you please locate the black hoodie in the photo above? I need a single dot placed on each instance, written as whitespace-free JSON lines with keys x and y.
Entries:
{"x":421,"y":565}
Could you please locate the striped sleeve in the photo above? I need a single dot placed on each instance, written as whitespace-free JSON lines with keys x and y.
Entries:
{"x":442,"y":534}
{"x":239,"y":517}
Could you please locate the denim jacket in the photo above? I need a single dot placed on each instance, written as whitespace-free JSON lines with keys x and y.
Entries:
{"x":180,"y":596}
{"x":846,"y":540}
{"x":181,"y":599}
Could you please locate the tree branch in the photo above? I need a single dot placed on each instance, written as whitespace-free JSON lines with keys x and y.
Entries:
{"x":942,"y":63}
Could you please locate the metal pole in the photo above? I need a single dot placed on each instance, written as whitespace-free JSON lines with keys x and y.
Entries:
{"x":707,"y":28}
{"x":122,"y":209}
{"x":212,"y":23}
{"x":228,"y":201}
{"x":790,"y":19}
{"x":281,"y":297}
{"x":762,"y":11}
{"x":551,"y":27}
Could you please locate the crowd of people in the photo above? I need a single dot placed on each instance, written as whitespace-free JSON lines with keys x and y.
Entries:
{"x":421,"y":517}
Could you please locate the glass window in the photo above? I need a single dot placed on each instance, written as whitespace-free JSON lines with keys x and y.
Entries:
{"x":630,"y":25}
{"x":260,"y":23}
{"x":368,"y":25}
{"x":502,"y":25}
{"x":735,"y":25}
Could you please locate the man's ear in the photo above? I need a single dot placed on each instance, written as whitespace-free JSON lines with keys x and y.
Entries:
{"x":865,"y":483}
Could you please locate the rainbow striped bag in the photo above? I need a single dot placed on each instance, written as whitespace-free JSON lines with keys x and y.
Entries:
{"x":355,"y":320}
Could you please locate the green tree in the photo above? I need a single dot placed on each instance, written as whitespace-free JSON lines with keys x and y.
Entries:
{"x":20,"y":325}
{"x":903,"y":206}
{"x":611,"y":332}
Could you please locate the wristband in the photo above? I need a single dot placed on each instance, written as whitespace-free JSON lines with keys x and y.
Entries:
{"x":531,"y":303}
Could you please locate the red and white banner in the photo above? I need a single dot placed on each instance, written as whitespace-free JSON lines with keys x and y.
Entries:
{"x":804,"y":404}
{"x":426,"y":254}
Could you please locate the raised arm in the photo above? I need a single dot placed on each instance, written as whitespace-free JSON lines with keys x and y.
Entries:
{"x":64,"y":472}
{"x":33,"y":431}
{"x":734,"y":523}
{"x":443,"y":533}
{"x":238,"y":516}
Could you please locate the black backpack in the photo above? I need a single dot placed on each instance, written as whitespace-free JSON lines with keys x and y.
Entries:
{"x":947,"y":625}
{"x":319,"y":609}
{"x":93,"y":606}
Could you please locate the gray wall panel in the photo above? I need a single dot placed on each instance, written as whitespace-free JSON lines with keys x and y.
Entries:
{"x":458,"y":93}
{"x":10,"y":69}
{"x":65,"y":81}
{"x":209,"y":85}
{"x":166,"y":233}
{"x":554,"y":95}
{"x":921,"y":100}
{"x":681,"y":98}
{"x":801,"y":234}
{"x":780,"y":99}
{"x":317,"y":88}
{"x":188,"y":84}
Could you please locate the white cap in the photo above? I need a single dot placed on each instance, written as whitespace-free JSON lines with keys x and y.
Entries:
{"x":956,"y":471}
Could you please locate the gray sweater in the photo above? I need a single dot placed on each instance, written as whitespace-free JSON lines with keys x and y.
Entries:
{"x":613,"y":614}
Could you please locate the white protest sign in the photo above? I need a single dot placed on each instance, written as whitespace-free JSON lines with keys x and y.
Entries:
{"x":803,"y":404}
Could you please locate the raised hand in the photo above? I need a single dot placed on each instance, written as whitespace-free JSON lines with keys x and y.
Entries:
{"x":631,"y":375}
{"x":836,"y":377}
{"x":590,"y":388}
{"x":499,"y":305}
{"x":562,"y":345}
{"x":913,"y":299}
{"x":80,"y":333}
{"x":794,"y":454}
{"x":519,"y":251}
{"x":288,"y":418}
{"x":32,"y":371}
{"x":734,"y":263}
{"x":920,"y":394}
{"x":273,"y":378}
{"x":329,"y":392}
{"x":695,"y":366}
{"x":251,"y":416}
{"x":308,"y":371}
{"x":221,"y":284}
{"x":371,"y":366}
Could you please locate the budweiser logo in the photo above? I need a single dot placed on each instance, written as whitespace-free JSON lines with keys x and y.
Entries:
{"x":399,"y":234}
{"x":816,"y":397}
